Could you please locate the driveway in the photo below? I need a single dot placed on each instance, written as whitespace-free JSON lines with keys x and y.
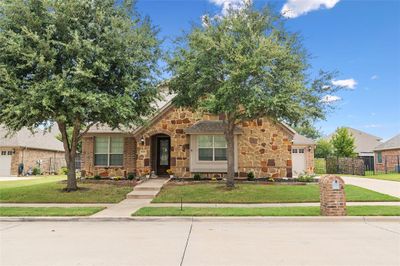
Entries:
{"x":383,"y":186}
{"x":15,"y":178}
{"x":200,"y":243}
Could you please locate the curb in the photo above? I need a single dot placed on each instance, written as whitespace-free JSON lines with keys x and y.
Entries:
{"x":207,"y":219}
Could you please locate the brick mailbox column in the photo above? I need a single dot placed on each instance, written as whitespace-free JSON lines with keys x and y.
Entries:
{"x":332,"y":196}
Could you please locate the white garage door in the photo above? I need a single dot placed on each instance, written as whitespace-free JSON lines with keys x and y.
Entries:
{"x":5,"y":165}
{"x":298,"y":161}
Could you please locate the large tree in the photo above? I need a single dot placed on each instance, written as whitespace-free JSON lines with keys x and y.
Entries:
{"x":245,"y":65}
{"x":343,"y":143}
{"x":75,"y":63}
{"x":324,"y":149}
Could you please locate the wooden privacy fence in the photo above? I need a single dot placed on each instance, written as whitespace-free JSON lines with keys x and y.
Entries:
{"x":350,"y":166}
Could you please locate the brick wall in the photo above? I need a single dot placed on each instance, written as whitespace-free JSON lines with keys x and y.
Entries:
{"x":389,"y":161}
{"x":129,"y":159}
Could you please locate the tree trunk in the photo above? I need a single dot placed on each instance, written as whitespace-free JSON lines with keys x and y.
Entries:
{"x":71,"y":176}
{"x":230,"y":138}
{"x":70,"y":153}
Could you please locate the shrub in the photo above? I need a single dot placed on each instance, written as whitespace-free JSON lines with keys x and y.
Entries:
{"x":97,"y":177}
{"x":63,"y":171}
{"x":196,"y":177}
{"x":305,"y":178}
{"x":131,"y":176}
{"x":36,"y":171}
{"x":250,"y":176}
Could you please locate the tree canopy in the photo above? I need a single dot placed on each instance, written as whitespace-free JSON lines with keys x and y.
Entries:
{"x":246,"y":65}
{"x":343,"y":143}
{"x":75,"y":63}
{"x":324,"y":149}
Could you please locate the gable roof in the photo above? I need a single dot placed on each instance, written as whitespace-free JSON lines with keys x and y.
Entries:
{"x":393,"y":143}
{"x":25,"y":138}
{"x":364,"y":142}
{"x":302,"y":140}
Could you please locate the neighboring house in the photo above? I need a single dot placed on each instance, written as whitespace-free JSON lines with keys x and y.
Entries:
{"x":189,"y":142}
{"x":365,"y":144}
{"x":387,"y":155}
{"x":38,"y":150}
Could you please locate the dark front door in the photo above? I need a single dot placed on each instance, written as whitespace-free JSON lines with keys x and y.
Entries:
{"x":163,"y":155}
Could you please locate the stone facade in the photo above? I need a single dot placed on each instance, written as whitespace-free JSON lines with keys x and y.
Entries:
{"x":390,"y":161}
{"x":264,"y":147}
{"x":51,"y":161}
{"x":129,"y":159}
{"x":332,"y":196}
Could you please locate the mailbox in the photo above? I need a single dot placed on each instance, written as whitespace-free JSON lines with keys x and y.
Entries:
{"x":332,"y":196}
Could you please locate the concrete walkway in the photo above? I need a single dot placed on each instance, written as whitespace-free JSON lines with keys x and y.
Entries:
{"x":141,"y":196}
{"x":266,"y":205}
{"x":383,"y":186}
{"x":107,"y":205}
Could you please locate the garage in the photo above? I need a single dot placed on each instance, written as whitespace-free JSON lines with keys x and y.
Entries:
{"x":298,"y":161}
{"x":5,"y":163}
{"x":302,"y":155}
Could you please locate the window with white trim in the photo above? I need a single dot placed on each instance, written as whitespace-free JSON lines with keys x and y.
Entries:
{"x":211,"y":148}
{"x":109,"y":151}
{"x":301,"y":150}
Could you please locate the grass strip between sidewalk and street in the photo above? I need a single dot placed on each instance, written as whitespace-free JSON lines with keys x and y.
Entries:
{"x":258,"y":193}
{"x":267,"y":211}
{"x":49,"y":211}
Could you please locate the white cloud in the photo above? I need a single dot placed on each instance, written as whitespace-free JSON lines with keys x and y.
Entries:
{"x":373,"y":126}
{"x":295,"y":8}
{"x":330,"y":99}
{"x":374,"y":77}
{"x":345,"y":83}
{"x":230,"y":4}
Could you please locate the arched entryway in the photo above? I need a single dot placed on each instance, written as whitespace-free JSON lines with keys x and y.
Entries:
{"x":160,"y":153}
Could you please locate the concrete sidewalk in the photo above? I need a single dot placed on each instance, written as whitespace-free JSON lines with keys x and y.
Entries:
{"x":266,"y":205}
{"x":383,"y":186}
{"x":141,"y":196}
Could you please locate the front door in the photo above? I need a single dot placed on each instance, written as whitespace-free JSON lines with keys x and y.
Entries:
{"x":163,"y":155}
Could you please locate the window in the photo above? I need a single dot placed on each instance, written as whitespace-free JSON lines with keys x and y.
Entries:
{"x":379,"y":157}
{"x":3,"y":153}
{"x":294,"y":151}
{"x":10,"y":153}
{"x":212,"y":148}
{"x":109,"y":151}
{"x":301,"y":150}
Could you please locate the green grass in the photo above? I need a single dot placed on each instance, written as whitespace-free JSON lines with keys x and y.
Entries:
{"x":257,"y":193}
{"x":390,"y":177}
{"x":268,"y":211}
{"x":49,"y":211}
{"x":30,"y":182}
{"x":53,"y":192}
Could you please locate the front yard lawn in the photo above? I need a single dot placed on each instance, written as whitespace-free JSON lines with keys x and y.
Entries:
{"x":268,"y":211}
{"x":53,"y":192}
{"x":258,"y":193}
{"x":49,"y":211}
{"x":34,"y":181}
{"x":390,"y":177}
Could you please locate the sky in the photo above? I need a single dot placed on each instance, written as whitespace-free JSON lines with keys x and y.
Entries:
{"x":359,"y":39}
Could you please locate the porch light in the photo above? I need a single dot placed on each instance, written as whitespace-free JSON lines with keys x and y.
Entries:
{"x":142,"y":140}
{"x":309,"y":148}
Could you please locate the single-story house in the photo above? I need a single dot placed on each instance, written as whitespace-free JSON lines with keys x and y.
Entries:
{"x":32,"y":150}
{"x":364,"y":145}
{"x":387,"y":155}
{"x":189,"y":142}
